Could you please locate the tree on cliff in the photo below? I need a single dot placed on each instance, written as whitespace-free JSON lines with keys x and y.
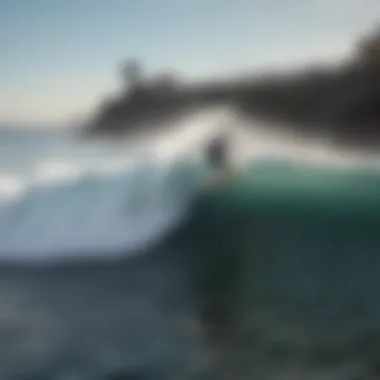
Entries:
{"x":369,"y":49}
{"x":132,"y":74}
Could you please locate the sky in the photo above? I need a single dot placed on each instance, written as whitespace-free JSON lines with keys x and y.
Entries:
{"x":59,"y":58}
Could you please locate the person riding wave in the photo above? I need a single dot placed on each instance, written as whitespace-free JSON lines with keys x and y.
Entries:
{"x":217,"y":157}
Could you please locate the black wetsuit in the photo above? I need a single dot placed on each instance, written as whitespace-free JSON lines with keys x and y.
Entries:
{"x":217,"y":153}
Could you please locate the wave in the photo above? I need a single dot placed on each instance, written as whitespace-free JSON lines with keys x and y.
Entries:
{"x":71,"y":199}
{"x":64,"y":198}
{"x":97,"y":214}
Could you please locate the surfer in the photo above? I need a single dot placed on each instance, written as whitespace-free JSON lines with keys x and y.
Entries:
{"x":217,"y":153}
{"x":218,"y":159}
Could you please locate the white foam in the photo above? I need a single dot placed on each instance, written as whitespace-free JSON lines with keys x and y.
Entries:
{"x":56,"y":170}
{"x":254,"y":140}
{"x":93,"y":215}
{"x":10,"y":186}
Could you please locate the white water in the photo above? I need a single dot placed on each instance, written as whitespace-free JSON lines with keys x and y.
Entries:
{"x":61,"y":198}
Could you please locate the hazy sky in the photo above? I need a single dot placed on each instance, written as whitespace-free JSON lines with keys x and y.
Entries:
{"x":58,"y":57}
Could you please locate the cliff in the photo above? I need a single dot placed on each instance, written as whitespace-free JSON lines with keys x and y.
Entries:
{"x":342,"y":102}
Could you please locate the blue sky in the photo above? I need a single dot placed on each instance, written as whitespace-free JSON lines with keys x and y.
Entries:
{"x":59,"y":57}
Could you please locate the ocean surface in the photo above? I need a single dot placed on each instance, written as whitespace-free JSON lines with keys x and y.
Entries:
{"x":112,"y":252}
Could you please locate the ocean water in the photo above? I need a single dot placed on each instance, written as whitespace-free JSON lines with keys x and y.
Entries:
{"x":115,"y":256}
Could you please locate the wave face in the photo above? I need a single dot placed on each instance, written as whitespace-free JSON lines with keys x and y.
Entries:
{"x":293,"y":261}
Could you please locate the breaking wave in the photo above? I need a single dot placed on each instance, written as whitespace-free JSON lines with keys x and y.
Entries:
{"x":62,"y":198}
